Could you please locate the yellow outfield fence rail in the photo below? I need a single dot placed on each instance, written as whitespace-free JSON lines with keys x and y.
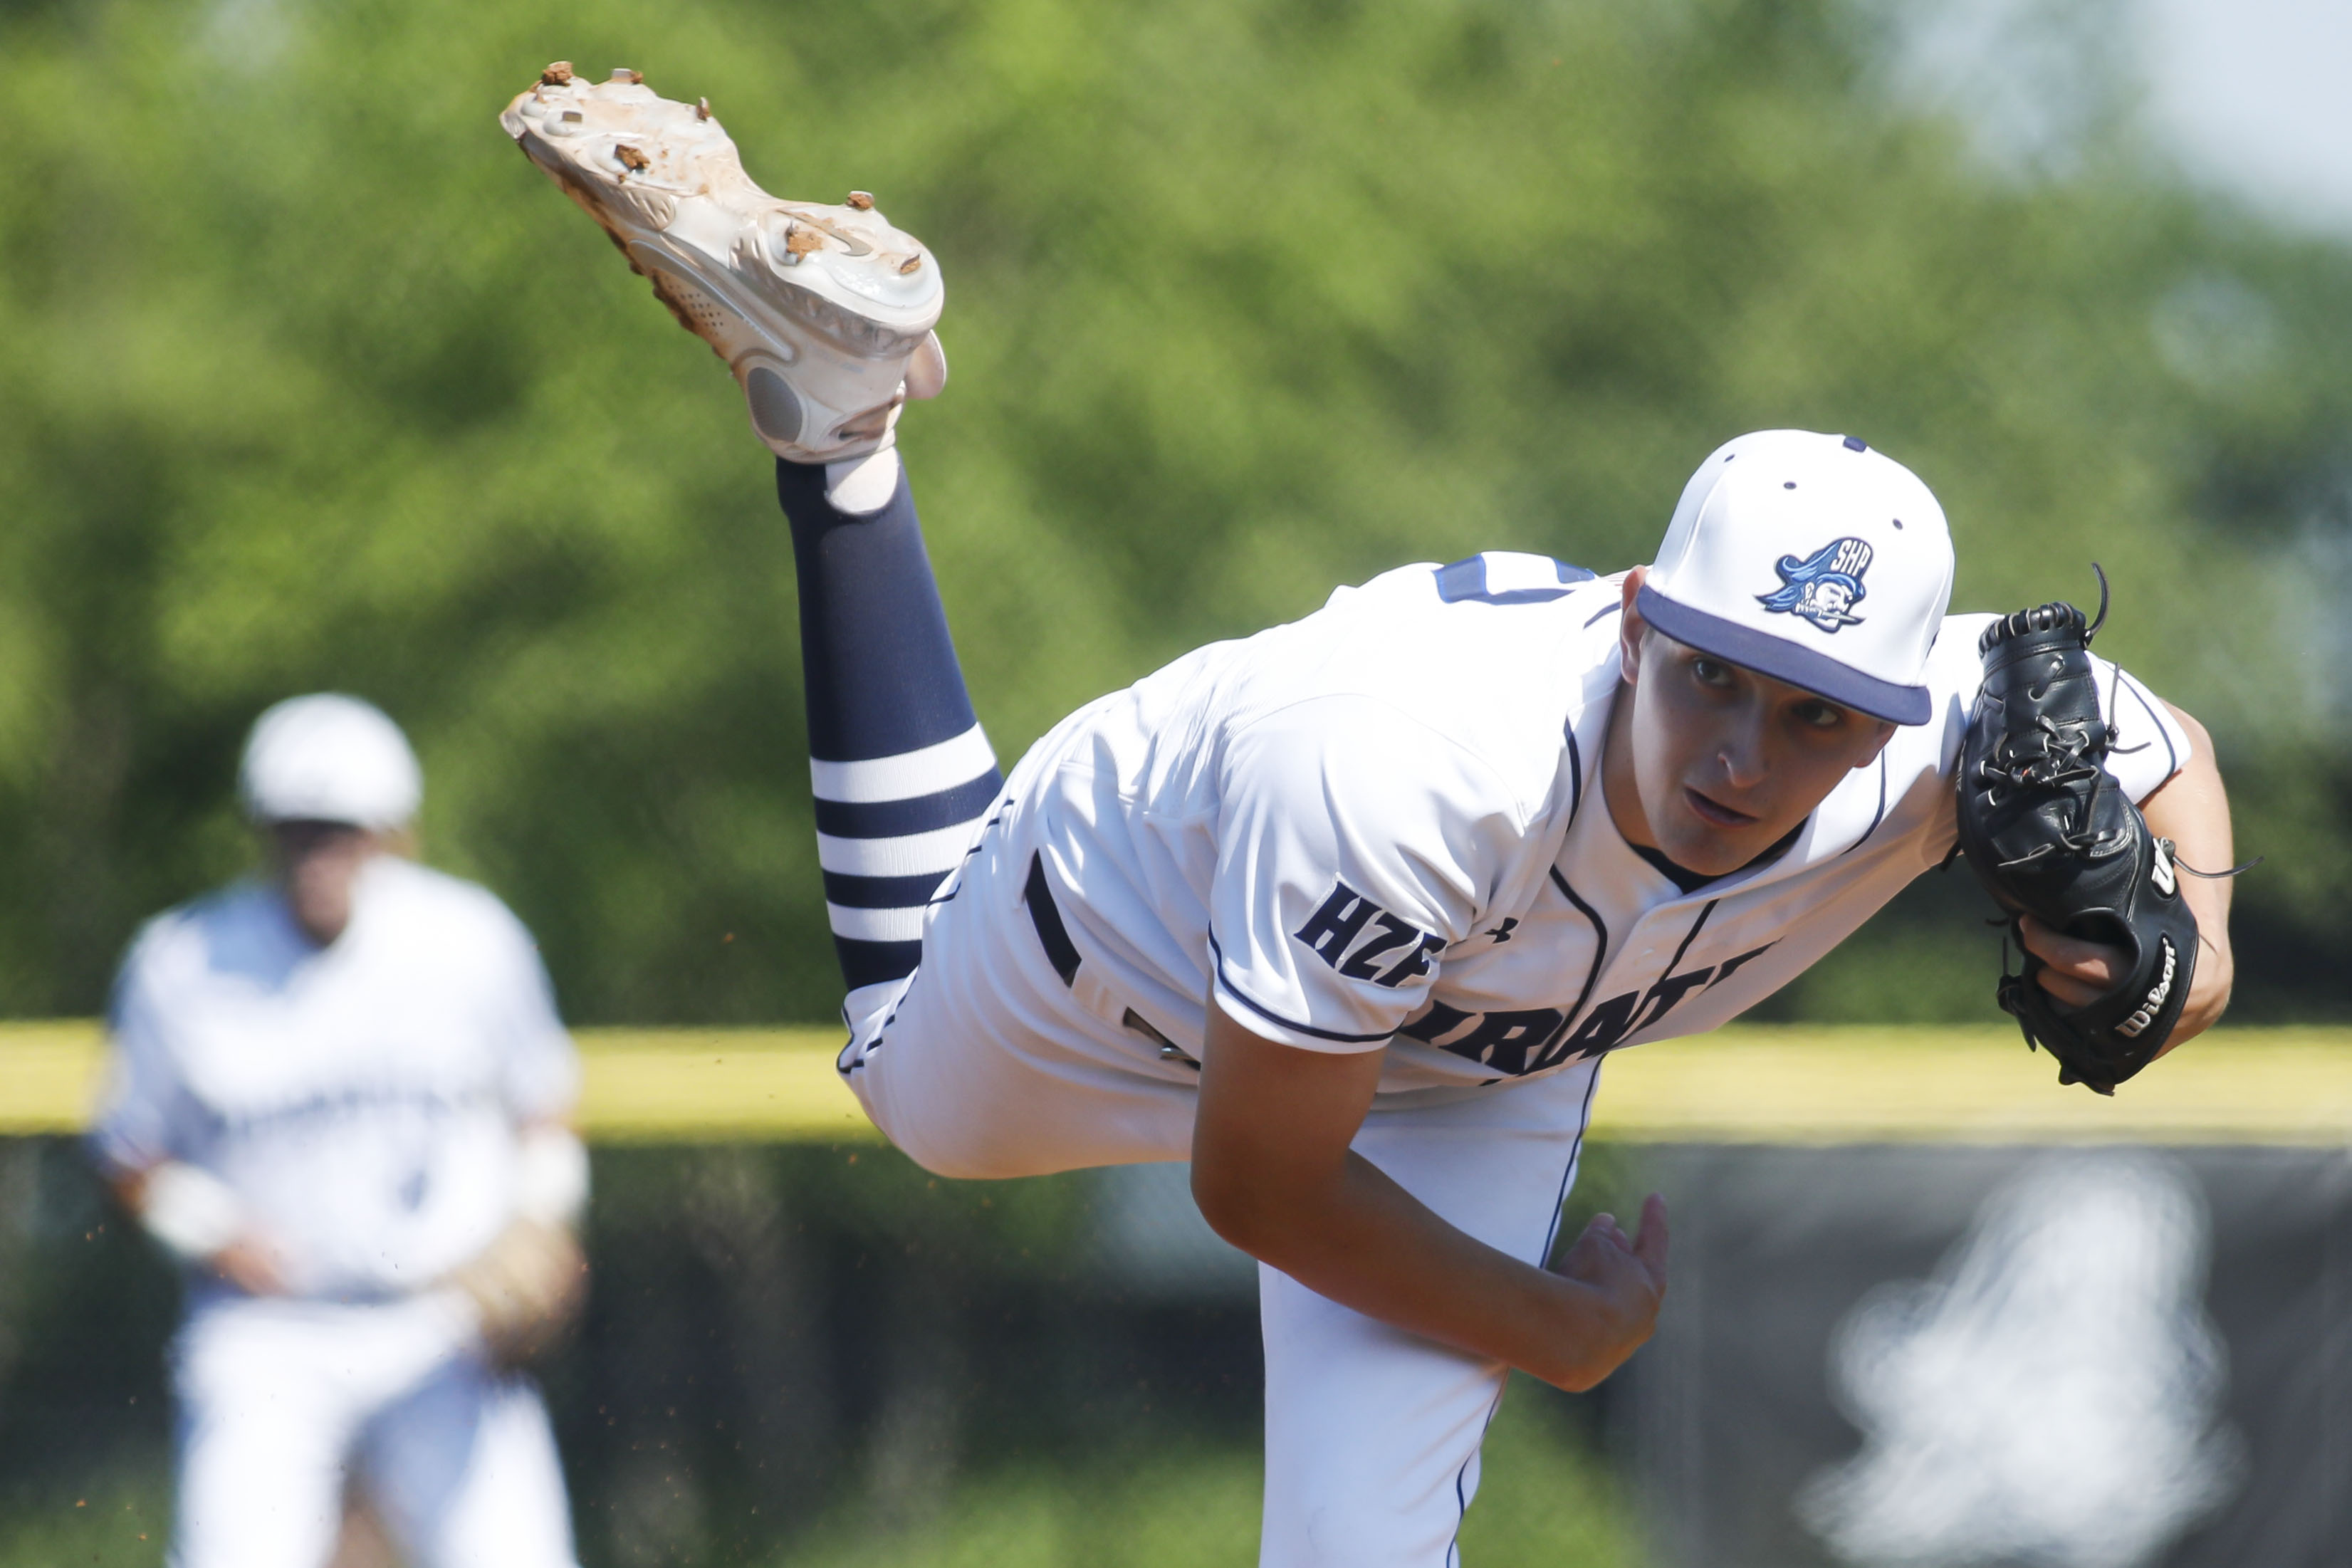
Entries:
{"x":1743,"y":1084}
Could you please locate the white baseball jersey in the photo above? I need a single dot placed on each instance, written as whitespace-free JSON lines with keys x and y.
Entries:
{"x":1381,"y":825}
{"x":361,"y":1099}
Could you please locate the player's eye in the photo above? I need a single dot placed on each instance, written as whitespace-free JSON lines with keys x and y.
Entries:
{"x":1819,"y":715}
{"x":1710,"y":671}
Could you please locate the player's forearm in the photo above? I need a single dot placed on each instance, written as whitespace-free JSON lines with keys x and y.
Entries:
{"x":2192,"y":809}
{"x":199,"y":1220}
{"x":1356,"y":1237}
{"x":1275,"y":1173}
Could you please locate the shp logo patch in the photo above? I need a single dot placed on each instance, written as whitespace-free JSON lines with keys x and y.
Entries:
{"x":1824,"y":586}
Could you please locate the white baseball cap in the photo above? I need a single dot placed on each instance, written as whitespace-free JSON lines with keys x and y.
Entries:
{"x":329,"y":758}
{"x":1811,"y":559}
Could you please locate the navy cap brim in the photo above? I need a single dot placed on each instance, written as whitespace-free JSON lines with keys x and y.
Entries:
{"x":1806,"y":669}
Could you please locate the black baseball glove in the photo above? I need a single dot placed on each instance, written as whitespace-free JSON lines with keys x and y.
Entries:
{"x":2050,"y":834}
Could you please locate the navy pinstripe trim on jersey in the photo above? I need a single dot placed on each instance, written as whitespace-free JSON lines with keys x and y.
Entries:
{"x":1461,"y":1498}
{"x":1600,"y":944}
{"x":1809,"y":669}
{"x":853,"y":892}
{"x":1880,"y":816}
{"x":2171,"y":757}
{"x":1689,"y":937}
{"x":897,"y":818}
{"x":1551,"y":1239}
{"x":1575,"y":1152}
{"x":1685,"y":879}
{"x":1575,"y":772}
{"x":1617,"y":608}
{"x":1271,"y":1017}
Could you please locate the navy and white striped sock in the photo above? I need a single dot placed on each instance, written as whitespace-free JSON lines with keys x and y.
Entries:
{"x":901,"y":770}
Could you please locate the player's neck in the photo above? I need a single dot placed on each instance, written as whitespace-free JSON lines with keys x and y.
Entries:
{"x":1618,"y":788}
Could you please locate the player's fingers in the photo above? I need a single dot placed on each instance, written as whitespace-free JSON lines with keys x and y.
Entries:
{"x":2067,"y":990}
{"x":1650,"y":1242}
{"x":2095,"y":962}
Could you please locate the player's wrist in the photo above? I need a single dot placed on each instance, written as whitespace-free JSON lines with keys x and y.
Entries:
{"x":1596,"y":1328}
{"x":550,"y":1177}
{"x":194,"y":1214}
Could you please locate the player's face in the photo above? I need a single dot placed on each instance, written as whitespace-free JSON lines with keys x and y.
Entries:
{"x":317,"y":864}
{"x":1725,"y":761}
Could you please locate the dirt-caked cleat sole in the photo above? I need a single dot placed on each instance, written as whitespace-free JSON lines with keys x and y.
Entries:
{"x":823,"y":313}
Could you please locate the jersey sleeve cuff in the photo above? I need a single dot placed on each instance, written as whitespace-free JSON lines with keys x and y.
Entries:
{"x":1264,"y":1021}
{"x":2167,"y":745}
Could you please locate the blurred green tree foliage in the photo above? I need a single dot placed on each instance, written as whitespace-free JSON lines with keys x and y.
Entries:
{"x":306,"y":381}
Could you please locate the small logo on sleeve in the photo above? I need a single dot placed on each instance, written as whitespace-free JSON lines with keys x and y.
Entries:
{"x":1824,"y":586}
{"x":1364,"y":942}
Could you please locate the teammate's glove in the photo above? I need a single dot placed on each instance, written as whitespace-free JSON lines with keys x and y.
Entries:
{"x":525,"y":1288}
{"x":2050,"y":834}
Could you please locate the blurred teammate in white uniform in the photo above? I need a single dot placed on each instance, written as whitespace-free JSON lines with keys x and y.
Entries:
{"x":1348,"y":912}
{"x":338,"y":1096}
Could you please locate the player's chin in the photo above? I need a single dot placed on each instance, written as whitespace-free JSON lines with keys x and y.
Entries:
{"x":1714,"y":839}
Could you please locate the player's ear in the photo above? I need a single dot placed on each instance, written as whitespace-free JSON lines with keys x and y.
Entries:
{"x":1631,"y":627}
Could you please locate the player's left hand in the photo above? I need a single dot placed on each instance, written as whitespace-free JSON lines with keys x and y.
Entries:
{"x":2076,"y":973}
{"x":526,"y":1290}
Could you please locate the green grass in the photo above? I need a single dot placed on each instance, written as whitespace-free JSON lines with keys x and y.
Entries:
{"x":1546,"y":1498}
{"x":1546,"y":1502}
{"x":121,"y":1522}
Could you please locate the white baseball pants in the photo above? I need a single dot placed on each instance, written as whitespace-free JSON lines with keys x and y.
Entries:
{"x":989,"y":1065}
{"x":280,"y":1400}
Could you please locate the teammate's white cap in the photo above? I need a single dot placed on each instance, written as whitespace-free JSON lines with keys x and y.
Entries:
{"x":1811,"y":559}
{"x":329,"y":758}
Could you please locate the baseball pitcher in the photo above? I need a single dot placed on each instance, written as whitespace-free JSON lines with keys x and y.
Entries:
{"x":1350,"y":913}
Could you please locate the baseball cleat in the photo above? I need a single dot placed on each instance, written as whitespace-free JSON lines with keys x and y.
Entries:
{"x":824,"y":313}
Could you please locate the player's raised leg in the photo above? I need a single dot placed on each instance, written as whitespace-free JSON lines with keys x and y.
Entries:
{"x":824,"y":313}
{"x":901,"y":772}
